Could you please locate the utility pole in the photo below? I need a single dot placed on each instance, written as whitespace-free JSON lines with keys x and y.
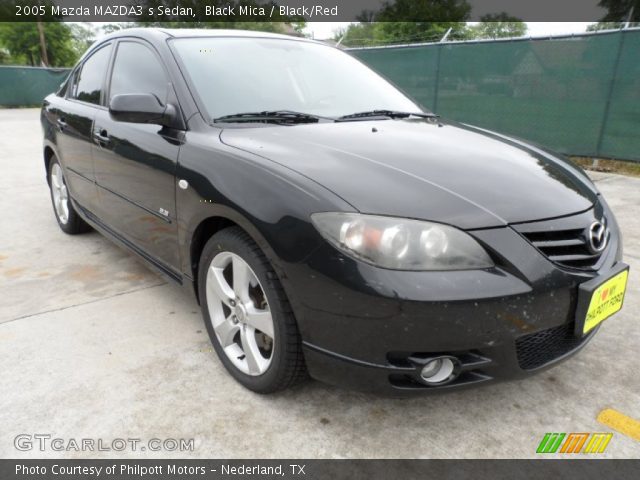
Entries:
{"x":628,"y":22}
{"x":43,"y":45}
{"x":446,"y":35}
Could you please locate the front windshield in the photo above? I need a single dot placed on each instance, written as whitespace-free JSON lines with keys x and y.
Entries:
{"x":236,"y":75}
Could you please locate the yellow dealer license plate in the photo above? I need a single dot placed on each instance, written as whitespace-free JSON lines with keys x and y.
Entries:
{"x":598,"y":300}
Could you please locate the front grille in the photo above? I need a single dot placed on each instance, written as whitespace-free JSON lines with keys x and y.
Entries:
{"x":564,"y":240}
{"x":566,"y":247}
{"x":537,"y":349}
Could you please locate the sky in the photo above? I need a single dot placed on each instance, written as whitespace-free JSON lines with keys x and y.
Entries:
{"x":323,"y":30}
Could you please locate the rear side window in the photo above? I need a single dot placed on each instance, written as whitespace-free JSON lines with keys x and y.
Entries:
{"x":89,"y":81}
{"x":138,"y":70}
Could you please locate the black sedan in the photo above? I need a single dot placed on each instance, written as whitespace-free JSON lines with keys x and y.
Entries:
{"x":327,"y":223}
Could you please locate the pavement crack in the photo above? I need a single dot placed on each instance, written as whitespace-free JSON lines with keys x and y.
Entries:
{"x":83,"y":303}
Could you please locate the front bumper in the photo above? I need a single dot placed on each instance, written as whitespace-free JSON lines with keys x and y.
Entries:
{"x":508,"y":360}
{"x":363,"y":326}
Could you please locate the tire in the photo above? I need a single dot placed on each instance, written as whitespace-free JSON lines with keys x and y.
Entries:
{"x":260,"y":362}
{"x":66,"y":216}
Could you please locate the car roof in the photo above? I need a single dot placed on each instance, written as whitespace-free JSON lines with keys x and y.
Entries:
{"x":214,"y":32}
{"x":155,"y":34}
{"x":151,"y":33}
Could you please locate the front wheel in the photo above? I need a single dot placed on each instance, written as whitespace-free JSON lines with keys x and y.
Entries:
{"x":247,"y":315}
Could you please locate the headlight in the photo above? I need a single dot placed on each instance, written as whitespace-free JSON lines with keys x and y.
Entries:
{"x":401,"y":244}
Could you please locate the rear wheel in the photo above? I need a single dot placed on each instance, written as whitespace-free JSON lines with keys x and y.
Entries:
{"x":68,"y":219}
{"x":247,"y":314}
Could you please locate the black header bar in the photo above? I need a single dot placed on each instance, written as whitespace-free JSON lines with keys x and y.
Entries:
{"x":315,"y":10}
{"x":582,"y":469}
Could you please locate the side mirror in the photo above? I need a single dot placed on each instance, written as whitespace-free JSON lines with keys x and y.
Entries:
{"x":141,"y":108}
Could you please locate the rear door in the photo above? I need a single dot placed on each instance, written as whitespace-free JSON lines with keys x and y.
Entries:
{"x":135,"y":164}
{"x":73,"y":117}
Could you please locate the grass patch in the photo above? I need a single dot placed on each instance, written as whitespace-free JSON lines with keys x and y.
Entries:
{"x":609,"y":166}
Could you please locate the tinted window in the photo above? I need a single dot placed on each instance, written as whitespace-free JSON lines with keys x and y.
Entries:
{"x":90,"y":80}
{"x":235,"y":75}
{"x":138,"y":70}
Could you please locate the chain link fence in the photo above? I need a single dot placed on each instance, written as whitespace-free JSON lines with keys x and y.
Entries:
{"x":578,"y":94}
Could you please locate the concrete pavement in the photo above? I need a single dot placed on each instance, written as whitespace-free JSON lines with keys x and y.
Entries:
{"x":93,"y":345}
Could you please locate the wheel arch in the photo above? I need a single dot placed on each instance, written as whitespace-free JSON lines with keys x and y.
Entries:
{"x":226,"y":218}
{"x":48,"y":154}
{"x":206,"y":229}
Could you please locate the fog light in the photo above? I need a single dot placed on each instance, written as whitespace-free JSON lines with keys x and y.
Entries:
{"x":437,"y":370}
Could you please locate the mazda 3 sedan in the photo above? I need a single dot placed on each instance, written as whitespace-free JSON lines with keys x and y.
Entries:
{"x":328,"y":224}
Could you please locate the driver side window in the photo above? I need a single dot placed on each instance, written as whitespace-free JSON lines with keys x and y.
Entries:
{"x":137,"y":70}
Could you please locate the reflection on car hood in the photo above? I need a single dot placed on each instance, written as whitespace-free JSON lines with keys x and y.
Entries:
{"x":444,"y":172}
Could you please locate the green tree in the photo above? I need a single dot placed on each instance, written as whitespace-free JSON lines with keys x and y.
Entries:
{"x":82,"y":37}
{"x":499,"y":25}
{"x":116,"y":27}
{"x":596,"y":27}
{"x":388,"y":33}
{"x":619,"y":10}
{"x":5,"y":57}
{"x":22,"y":42}
{"x":388,"y":25}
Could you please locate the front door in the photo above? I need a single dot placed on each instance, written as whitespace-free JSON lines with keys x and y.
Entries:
{"x":135,"y":164}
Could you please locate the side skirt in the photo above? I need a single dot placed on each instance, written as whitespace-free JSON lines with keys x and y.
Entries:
{"x":157,"y":266}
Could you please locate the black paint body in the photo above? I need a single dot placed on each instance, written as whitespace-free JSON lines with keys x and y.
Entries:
{"x":359,"y":323}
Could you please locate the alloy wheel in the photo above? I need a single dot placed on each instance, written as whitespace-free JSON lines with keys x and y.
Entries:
{"x":60,"y":194}
{"x":240,"y":314}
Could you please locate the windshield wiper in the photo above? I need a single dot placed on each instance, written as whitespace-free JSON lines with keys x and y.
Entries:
{"x":274,"y":116}
{"x":385,"y":114}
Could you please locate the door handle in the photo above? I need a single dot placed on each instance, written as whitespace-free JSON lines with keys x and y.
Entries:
{"x":61,"y":123}
{"x":101,"y":137}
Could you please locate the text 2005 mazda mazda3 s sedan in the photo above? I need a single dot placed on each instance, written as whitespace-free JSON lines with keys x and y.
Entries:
{"x":326,"y":222}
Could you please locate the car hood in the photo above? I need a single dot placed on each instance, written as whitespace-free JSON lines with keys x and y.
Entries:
{"x":444,"y":172}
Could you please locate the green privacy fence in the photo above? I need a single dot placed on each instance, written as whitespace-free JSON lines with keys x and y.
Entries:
{"x":579,"y":95}
{"x":27,"y":86}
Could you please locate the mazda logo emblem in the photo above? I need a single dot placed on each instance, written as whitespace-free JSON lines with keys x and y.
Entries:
{"x":597,"y":236}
